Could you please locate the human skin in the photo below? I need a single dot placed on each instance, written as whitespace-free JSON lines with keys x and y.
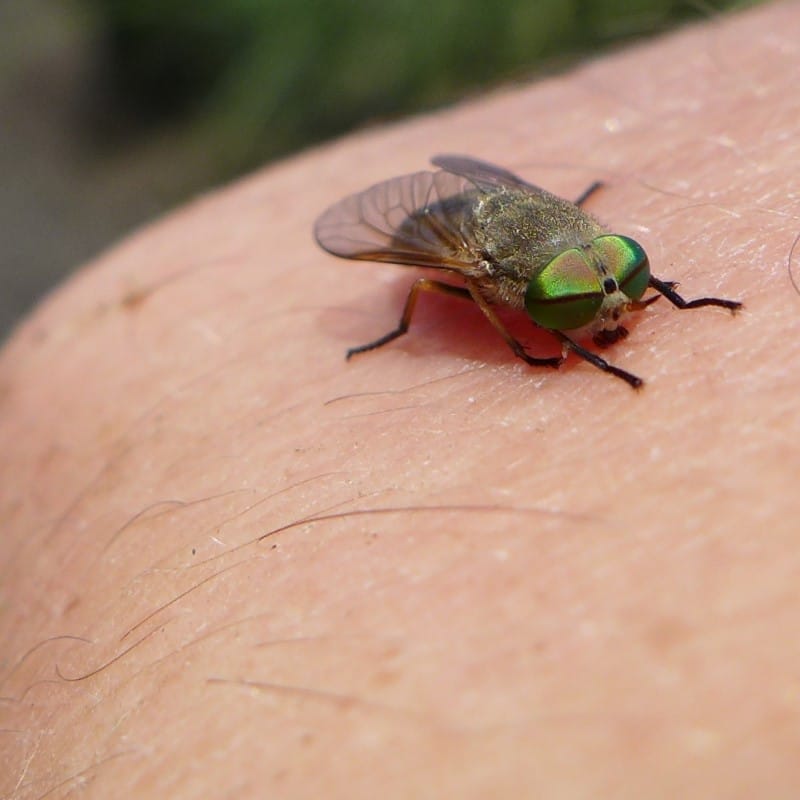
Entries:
{"x":236,"y":566}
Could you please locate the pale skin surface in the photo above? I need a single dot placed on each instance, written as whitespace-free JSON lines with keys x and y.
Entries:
{"x":541,"y":584}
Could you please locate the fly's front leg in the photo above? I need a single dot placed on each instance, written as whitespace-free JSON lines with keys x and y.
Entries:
{"x":667,"y":288}
{"x":587,"y":355}
{"x":421,"y":285}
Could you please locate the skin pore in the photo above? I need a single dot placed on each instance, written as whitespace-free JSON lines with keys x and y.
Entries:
{"x":235,"y":565}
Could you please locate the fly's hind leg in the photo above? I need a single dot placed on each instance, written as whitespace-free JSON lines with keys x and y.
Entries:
{"x":421,"y":285}
{"x":667,"y":288}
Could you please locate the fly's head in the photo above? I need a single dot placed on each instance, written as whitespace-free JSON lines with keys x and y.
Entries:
{"x":592,"y":287}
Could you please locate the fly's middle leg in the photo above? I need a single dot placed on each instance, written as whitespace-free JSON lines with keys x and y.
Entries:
{"x":517,"y":347}
{"x":588,"y":192}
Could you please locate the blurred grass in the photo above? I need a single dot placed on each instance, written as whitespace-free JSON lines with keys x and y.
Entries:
{"x":259,"y":78}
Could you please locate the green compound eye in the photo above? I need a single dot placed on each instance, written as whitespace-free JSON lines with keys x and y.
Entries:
{"x":626,"y":261}
{"x":565,"y":294}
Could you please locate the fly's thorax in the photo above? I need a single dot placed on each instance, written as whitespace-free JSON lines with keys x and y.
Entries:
{"x":517,"y":233}
{"x":523,"y":232}
{"x":593,"y":285}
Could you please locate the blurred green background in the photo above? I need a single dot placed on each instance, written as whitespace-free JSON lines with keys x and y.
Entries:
{"x":111,"y":111}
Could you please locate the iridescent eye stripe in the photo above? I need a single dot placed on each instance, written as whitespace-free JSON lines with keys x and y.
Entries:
{"x":570,"y":298}
{"x":635,"y":273}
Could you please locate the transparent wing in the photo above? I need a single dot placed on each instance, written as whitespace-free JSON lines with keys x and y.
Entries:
{"x":481,"y":173}
{"x":416,"y":219}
